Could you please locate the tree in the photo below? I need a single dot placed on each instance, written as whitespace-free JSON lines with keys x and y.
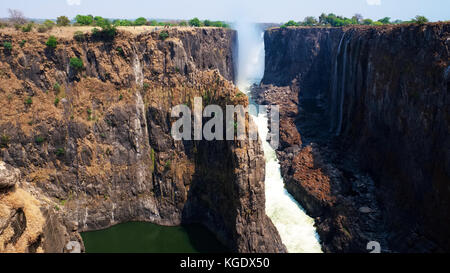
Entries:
{"x":310,"y":21}
{"x":420,"y":19}
{"x":358,"y":18}
{"x":141,"y":21}
{"x":16,"y":17}
{"x":323,"y":19}
{"x":62,"y":21}
{"x":84,"y":20}
{"x":49,"y":24}
{"x":207,"y":23}
{"x":195,"y":22}
{"x":291,"y":23}
{"x":367,"y":22}
{"x":385,"y":20}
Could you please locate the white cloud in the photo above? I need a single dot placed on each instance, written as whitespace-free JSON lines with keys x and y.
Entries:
{"x":73,"y":2}
{"x":373,"y":2}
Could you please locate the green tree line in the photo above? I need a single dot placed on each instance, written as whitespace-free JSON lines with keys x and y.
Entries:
{"x":338,"y":21}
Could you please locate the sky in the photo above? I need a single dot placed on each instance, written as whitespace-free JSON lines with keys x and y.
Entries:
{"x":274,"y":11}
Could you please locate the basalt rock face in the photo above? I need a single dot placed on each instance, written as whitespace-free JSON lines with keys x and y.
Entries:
{"x":95,"y":144}
{"x":374,"y":102}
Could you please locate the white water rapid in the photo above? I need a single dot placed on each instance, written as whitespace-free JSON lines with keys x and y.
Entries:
{"x":296,"y":229}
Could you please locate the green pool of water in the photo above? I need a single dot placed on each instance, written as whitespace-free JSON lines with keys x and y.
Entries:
{"x":139,"y":237}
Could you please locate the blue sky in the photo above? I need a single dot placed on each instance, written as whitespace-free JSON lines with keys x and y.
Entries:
{"x":254,"y":10}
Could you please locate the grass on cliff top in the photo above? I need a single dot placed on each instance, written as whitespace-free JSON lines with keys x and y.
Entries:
{"x":69,"y":32}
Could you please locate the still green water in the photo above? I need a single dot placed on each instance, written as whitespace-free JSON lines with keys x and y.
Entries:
{"x":139,"y":237}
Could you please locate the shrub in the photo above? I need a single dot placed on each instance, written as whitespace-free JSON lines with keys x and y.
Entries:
{"x":120,"y":51}
{"x":42,"y":29}
{"x":27,"y":28}
{"x":7,"y":46}
{"x":39,"y":140}
{"x":183,"y":23}
{"x":163,"y":35}
{"x":62,"y":21}
{"x":108,"y":32}
{"x":146,"y":86}
{"x":79,"y":36}
{"x":4,"y":141}
{"x":56,"y":102}
{"x":291,"y":23}
{"x":57,"y":87}
{"x":22,"y":43}
{"x":52,"y":42}
{"x":76,"y":63}
{"x":167,"y":165}
{"x":29,"y":101}
{"x":49,"y":24}
{"x":60,"y":152}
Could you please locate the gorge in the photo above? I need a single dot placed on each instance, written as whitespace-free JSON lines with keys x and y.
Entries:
{"x":364,"y":138}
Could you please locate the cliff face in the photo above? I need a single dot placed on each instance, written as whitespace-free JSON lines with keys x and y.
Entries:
{"x":381,"y":103}
{"x":95,"y":144}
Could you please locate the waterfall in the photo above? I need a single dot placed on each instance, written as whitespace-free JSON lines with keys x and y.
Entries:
{"x":342,"y":90}
{"x":295,"y":227}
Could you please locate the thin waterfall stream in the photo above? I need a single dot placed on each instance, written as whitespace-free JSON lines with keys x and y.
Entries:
{"x":295,"y":227}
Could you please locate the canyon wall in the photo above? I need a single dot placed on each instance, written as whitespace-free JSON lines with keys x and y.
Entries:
{"x":93,"y":146}
{"x":382,"y":102}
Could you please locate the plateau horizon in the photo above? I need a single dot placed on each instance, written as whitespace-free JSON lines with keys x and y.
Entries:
{"x":213,"y":129}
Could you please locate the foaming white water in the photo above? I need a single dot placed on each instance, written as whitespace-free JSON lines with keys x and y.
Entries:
{"x":295,"y":227}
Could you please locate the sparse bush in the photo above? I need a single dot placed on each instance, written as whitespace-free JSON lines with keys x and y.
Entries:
{"x":28,"y":27}
{"x":42,"y":29}
{"x":57,"y":87}
{"x":120,"y":51}
{"x":29,"y":101}
{"x":60,"y":152}
{"x":22,"y":43}
{"x":76,"y":63}
{"x":56,"y":101}
{"x":39,"y":140}
{"x":146,"y":86}
{"x":163,"y":35}
{"x":62,"y":21}
{"x":52,"y":42}
{"x":7,"y":46}
{"x":183,"y":24}
{"x":79,"y":36}
{"x":49,"y":24}
{"x":4,"y":141}
{"x":168,"y":164}
{"x":108,"y":32}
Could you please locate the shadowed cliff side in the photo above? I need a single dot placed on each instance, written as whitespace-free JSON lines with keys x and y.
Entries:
{"x":96,"y":143}
{"x":374,"y":103}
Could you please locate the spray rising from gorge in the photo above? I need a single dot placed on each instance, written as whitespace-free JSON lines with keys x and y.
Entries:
{"x":295,"y":227}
